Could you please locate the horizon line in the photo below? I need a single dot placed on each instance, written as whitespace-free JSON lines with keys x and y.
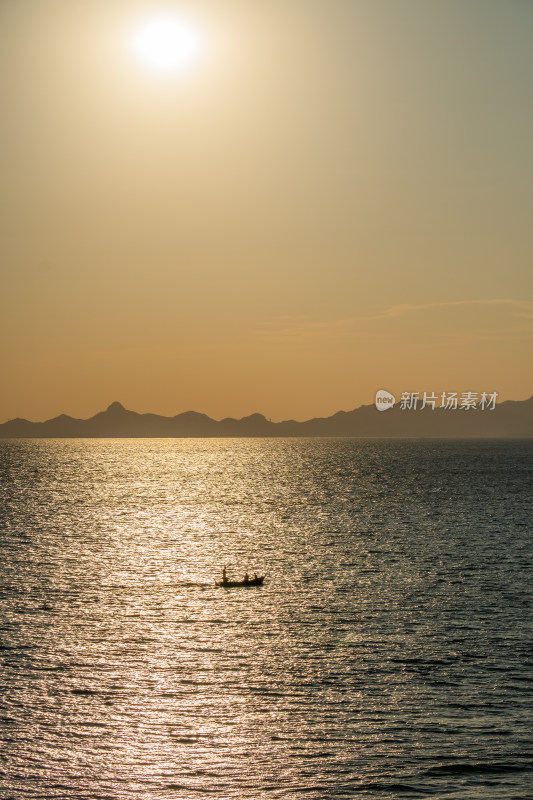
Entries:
{"x":117,"y":403}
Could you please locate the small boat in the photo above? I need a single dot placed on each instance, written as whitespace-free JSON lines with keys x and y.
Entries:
{"x":255,"y":581}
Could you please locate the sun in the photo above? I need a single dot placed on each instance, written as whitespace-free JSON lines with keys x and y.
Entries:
{"x":167,"y":44}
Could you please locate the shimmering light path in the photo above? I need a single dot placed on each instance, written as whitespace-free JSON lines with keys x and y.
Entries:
{"x":388,"y":654}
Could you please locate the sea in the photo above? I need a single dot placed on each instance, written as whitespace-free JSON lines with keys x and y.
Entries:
{"x":389,"y":653}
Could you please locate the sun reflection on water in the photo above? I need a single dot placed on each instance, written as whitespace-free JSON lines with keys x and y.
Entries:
{"x":127,"y":672}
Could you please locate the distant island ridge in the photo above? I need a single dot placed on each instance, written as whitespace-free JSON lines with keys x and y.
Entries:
{"x":509,"y":419}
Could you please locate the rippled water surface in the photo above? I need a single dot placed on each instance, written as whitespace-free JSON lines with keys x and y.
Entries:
{"x":388,"y":654}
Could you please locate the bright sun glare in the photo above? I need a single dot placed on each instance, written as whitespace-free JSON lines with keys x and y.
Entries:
{"x":167,"y":44}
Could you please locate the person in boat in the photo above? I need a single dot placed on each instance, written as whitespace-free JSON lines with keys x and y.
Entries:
{"x":224,"y":576}
{"x":246,"y":578}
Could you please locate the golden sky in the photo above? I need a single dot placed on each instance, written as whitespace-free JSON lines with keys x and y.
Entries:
{"x":328,"y":197}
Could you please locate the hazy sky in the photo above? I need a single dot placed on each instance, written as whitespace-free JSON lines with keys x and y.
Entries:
{"x":331,"y":197}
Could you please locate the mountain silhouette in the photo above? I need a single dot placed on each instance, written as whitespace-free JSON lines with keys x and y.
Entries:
{"x":511,"y":418}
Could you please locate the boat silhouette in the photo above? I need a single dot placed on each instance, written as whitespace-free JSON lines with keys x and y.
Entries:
{"x":257,"y":580}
